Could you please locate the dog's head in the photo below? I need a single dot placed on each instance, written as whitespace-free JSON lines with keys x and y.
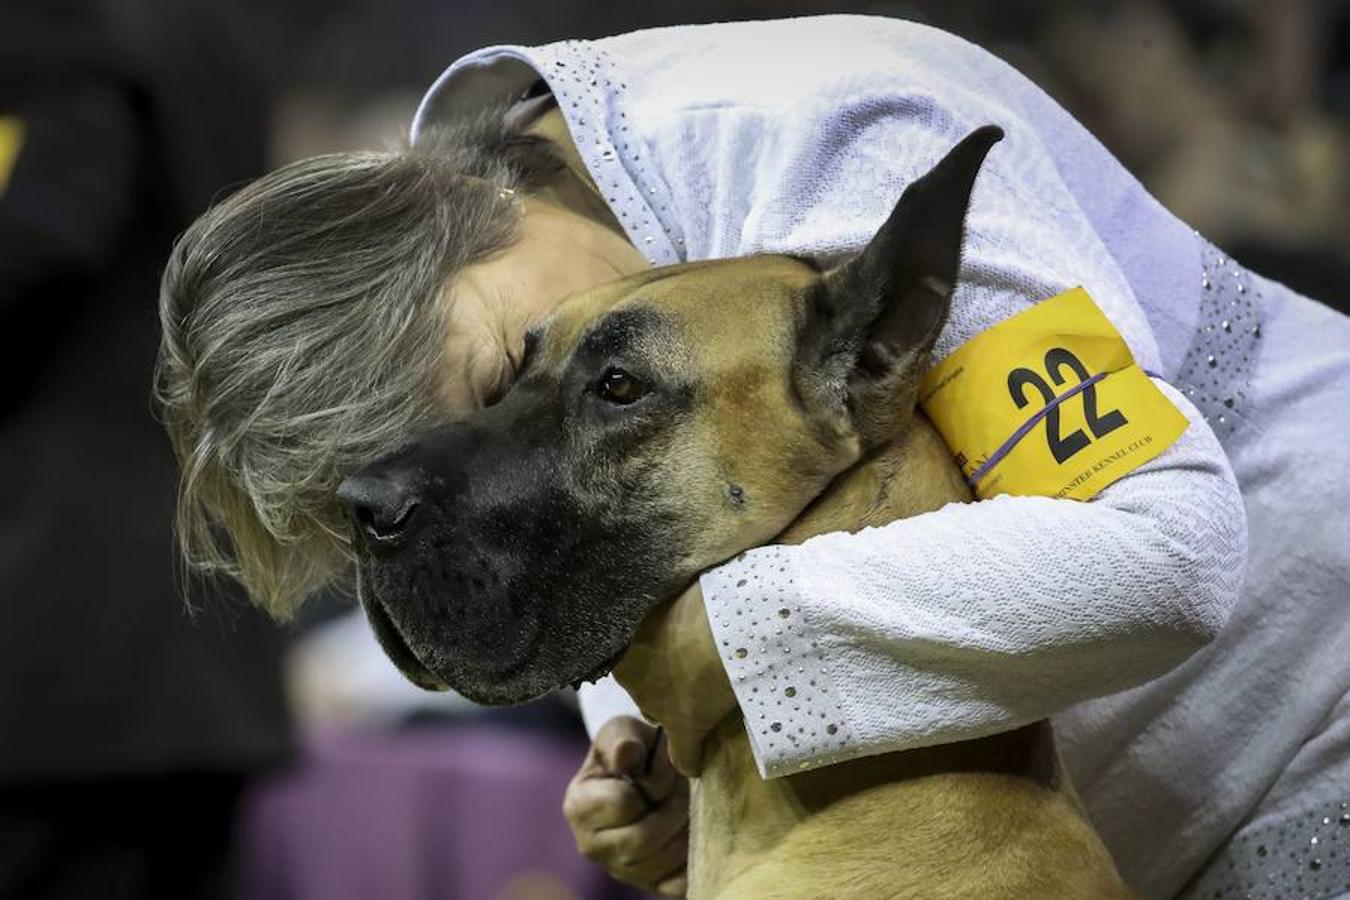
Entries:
{"x":657,"y":426}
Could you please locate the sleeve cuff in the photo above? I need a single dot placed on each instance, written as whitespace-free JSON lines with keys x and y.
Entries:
{"x":776,"y":661}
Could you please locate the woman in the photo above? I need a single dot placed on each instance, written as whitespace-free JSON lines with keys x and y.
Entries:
{"x":321,"y":314}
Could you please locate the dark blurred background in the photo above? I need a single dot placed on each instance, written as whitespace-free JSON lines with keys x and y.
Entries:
{"x":145,"y":752}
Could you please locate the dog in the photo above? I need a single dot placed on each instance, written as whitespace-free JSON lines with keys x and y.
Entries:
{"x":661,"y":425}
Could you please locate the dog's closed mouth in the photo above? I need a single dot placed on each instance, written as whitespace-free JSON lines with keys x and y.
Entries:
{"x":397,"y":649}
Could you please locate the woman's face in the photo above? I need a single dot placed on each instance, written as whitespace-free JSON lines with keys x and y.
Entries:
{"x":493,"y":302}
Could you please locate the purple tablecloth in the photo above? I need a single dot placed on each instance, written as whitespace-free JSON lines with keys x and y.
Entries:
{"x":454,"y":812}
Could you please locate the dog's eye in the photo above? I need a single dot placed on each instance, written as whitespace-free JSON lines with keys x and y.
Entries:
{"x":617,"y":386}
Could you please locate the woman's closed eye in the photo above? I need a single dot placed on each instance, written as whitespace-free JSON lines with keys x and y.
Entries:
{"x":497,"y":380}
{"x":517,"y":360}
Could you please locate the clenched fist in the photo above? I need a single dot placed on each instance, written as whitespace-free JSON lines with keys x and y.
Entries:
{"x":629,"y":809}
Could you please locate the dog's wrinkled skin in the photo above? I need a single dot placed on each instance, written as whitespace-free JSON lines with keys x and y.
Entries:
{"x":661,"y":425}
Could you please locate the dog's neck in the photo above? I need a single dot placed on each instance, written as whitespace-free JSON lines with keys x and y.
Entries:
{"x":913,"y":474}
{"x":738,"y":816}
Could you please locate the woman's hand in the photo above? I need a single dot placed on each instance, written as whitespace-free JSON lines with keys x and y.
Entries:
{"x":629,"y":818}
{"x":674,"y":674}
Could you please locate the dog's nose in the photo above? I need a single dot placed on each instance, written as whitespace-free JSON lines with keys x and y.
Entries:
{"x":383,"y":505}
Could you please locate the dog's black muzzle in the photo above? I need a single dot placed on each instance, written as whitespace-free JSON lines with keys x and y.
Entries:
{"x":434,"y":571}
{"x":483,"y":571}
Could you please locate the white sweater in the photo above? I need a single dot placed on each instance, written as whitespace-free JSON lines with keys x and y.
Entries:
{"x":798,"y":136}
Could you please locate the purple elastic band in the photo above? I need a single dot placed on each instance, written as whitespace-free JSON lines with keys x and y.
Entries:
{"x":1006,"y":447}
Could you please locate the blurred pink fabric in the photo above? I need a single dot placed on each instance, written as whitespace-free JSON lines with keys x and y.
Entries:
{"x":465,"y":811}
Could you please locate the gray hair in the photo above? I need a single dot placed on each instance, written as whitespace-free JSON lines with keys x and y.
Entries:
{"x":303,"y":328}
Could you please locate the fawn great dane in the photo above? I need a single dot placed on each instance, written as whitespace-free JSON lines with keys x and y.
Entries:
{"x":661,"y":425}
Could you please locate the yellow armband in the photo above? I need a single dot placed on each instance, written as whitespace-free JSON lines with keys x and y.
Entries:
{"x":1049,"y":402}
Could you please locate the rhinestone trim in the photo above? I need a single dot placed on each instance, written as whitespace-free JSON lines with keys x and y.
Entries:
{"x":1300,"y":857}
{"x":1216,"y":372}
{"x":591,"y":95}
{"x":777,"y":664}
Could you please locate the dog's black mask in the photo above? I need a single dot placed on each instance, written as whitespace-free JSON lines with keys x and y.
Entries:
{"x":512,"y":553}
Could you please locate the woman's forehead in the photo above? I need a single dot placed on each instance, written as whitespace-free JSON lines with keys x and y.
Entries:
{"x":491,"y":303}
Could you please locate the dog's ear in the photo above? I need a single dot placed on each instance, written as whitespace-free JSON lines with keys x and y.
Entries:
{"x":871,"y":321}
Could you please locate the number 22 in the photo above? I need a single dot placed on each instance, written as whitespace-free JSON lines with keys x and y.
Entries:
{"x":1056,"y":359}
